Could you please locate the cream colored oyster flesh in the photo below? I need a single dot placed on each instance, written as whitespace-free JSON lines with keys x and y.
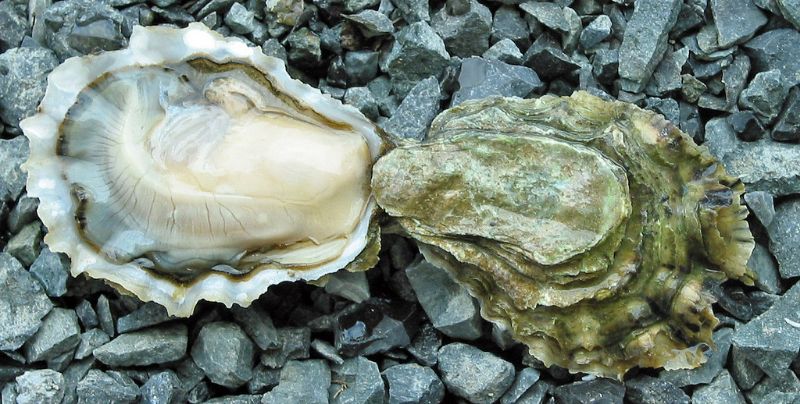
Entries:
{"x":190,"y":167}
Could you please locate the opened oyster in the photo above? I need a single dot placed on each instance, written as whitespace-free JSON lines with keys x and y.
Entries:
{"x":189,"y":166}
{"x":591,"y":230}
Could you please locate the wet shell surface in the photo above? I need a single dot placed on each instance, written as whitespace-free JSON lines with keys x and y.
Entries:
{"x":591,"y":230}
{"x":190,"y":166}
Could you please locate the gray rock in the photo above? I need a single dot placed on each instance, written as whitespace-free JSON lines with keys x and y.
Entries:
{"x":735,"y":78}
{"x":304,"y":48}
{"x":363,"y":100}
{"x":665,"y":106}
{"x":51,"y":270}
{"x":785,"y":382}
{"x":372,"y":23}
{"x":99,"y":387}
{"x":787,"y":127}
{"x":173,"y":15}
{"x":43,"y":386}
{"x":293,"y":343}
{"x":746,"y":125}
{"x":763,"y":165}
{"x":237,"y":399}
{"x":525,"y":380}
{"x":411,"y":119}
{"x":464,"y":26}
{"x":225,"y":354}
{"x":146,"y":347}
{"x":239,"y":19}
{"x":558,"y":18}
{"x":765,"y":94}
{"x":104,"y":315}
{"x":417,"y":53}
{"x":163,"y":388}
{"x":509,"y":24}
{"x":360,"y":67}
{"x":26,"y":244}
{"x":645,"y":41}
{"x":189,"y":373}
{"x":13,"y":152}
{"x":354,"y":6}
{"x":8,"y":394}
{"x":59,"y":333}
{"x":426,"y":344}
{"x":715,"y":361}
{"x":772,"y":340}
{"x":472,"y":374}
{"x":481,"y":78}
{"x":23,"y":213}
{"x":790,"y":10}
{"x":784,"y":234}
{"x":547,"y":59}
{"x":273,"y":47}
{"x":777,"y":49}
{"x":356,"y":381}
{"x":23,"y":73}
{"x":301,"y":382}
{"x":449,"y":306}
{"x":90,"y":340}
{"x":411,"y":383}
{"x":504,"y":50}
{"x":736,"y":20}
{"x":199,"y":393}
{"x":690,"y":121}
{"x":762,"y":205}
{"x":592,"y":391}
{"x":82,"y":27}
{"x":23,"y":303}
{"x":762,"y":264}
{"x":597,"y":31}
{"x":413,"y":10}
{"x":721,"y":390}
{"x":327,"y":351}
{"x":744,"y":372}
{"x":352,"y":286}
{"x":146,"y":315}
{"x":257,"y":323}
{"x":14,"y":24}
{"x":769,"y":5}
{"x":263,"y":379}
{"x":72,"y":375}
{"x":605,"y":64}
{"x":651,"y":390}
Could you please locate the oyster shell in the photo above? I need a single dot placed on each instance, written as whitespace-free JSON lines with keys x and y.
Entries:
{"x":190,"y":166}
{"x":592,"y":230}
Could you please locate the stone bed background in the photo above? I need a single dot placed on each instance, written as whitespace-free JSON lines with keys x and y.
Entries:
{"x":725,"y":71}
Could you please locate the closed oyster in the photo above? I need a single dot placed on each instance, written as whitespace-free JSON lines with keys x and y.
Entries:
{"x":190,"y":166}
{"x":592,"y":230}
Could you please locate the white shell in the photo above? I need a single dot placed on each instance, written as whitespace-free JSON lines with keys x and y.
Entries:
{"x":157,"y":46}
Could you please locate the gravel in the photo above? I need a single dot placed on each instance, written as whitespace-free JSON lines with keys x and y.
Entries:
{"x":474,"y":375}
{"x":225,"y":354}
{"x":412,"y":383}
{"x":147,"y":347}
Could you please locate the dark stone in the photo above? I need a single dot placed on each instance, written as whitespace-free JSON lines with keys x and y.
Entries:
{"x":412,"y":383}
{"x":363,"y":100}
{"x":58,"y":334}
{"x":417,"y":53}
{"x":24,"y":303}
{"x":721,"y":390}
{"x":762,"y":264}
{"x":145,"y":347}
{"x":777,"y":49}
{"x":558,"y":18}
{"x":474,"y":375}
{"x":14,"y":24}
{"x":104,"y":315}
{"x":257,"y":323}
{"x":24,"y":212}
{"x":293,"y":343}
{"x":360,"y":67}
{"x":23,"y":73}
{"x":690,"y":121}
{"x":744,"y":372}
{"x":239,"y":19}
{"x":715,"y":361}
{"x":263,"y":379}
{"x":746,"y":125}
{"x":480,"y":78}
{"x":651,"y":390}
{"x":356,"y":381}
{"x":175,"y":15}
{"x":376,"y":325}
{"x":411,"y":119}
{"x":326,"y":351}
{"x":505,"y":51}
{"x":304,"y":48}
{"x":771,"y":341}
{"x":605,"y":64}
{"x":706,"y":71}
{"x":548,"y":60}
{"x":645,"y":41}
{"x":372,"y":23}
{"x":413,"y":10}
{"x":464,"y":26}
{"x":665,"y":106}
{"x":354,"y":6}
{"x":736,"y":20}
{"x":509,"y":24}
{"x":733,"y":300}
{"x":590,"y":392}
{"x":735,"y":78}
{"x":763,"y":165}
{"x":425,"y":346}
{"x":336,"y":73}
{"x":301,"y":382}
{"x":13,"y":152}
{"x":272,"y":47}
{"x":82,"y":27}
{"x":790,"y":10}
{"x":597,"y":31}
{"x":225,"y":354}
{"x":90,"y":340}
{"x":785,"y":382}
{"x":99,"y":387}
{"x":44,"y":386}
{"x":26,"y":244}
{"x":784,"y":234}
{"x":667,"y":75}
{"x":787,"y":127}
{"x":523,"y":383}
{"x":691,"y":16}
{"x":764,"y":94}
{"x":146,"y":315}
{"x":86,"y":314}
{"x":163,"y":388}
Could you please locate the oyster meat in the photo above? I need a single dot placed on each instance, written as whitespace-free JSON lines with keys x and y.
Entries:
{"x":190,"y":166}
{"x":591,"y":230}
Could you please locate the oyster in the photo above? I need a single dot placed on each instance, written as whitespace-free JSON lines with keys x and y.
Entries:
{"x":592,"y":230}
{"x":190,"y":166}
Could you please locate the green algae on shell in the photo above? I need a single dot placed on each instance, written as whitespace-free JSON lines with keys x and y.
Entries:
{"x":592,"y":230}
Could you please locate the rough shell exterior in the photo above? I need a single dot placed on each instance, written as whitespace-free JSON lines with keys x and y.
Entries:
{"x":164,"y":79}
{"x":592,"y":230}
